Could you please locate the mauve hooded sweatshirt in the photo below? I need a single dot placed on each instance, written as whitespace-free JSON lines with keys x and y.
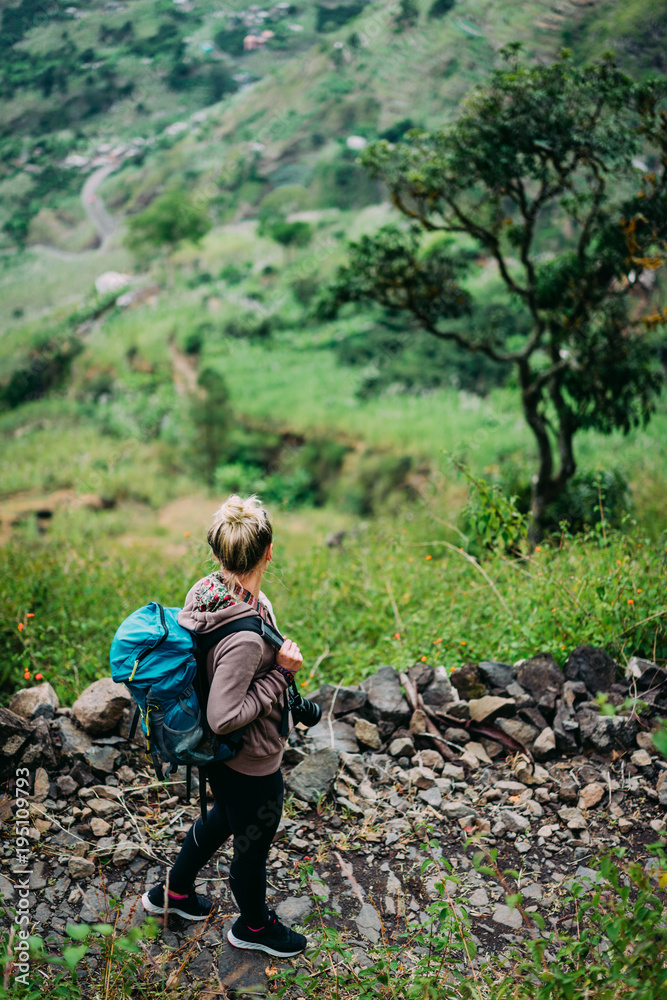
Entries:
{"x":245,"y":689}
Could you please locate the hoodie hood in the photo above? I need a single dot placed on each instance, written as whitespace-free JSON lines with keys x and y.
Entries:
{"x":209,"y":604}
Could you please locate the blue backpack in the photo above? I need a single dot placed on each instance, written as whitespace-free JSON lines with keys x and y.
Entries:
{"x":164,"y":667}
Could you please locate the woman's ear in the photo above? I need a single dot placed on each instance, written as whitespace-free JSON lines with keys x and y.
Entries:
{"x":269,"y":552}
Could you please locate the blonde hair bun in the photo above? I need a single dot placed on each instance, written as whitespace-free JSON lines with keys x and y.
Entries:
{"x":235,"y":510}
{"x":240,"y":533}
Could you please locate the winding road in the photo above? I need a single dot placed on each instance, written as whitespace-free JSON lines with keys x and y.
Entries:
{"x":95,"y":209}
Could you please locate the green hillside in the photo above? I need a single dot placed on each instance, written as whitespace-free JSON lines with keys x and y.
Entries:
{"x":125,"y":413}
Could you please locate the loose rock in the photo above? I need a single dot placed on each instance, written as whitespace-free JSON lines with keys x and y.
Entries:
{"x":507,"y":917}
{"x":80,"y":868}
{"x":468,"y":682}
{"x":518,"y":730}
{"x":41,"y":785}
{"x":592,"y":666}
{"x":440,"y":691}
{"x":344,"y":738}
{"x":100,"y":706}
{"x":591,"y":795}
{"x":294,"y":910}
{"x":514,"y":821}
{"x":542,"y":676}
{"x":32,"y":702}
{"x":125,"y":852}
{"x":368,"y":734}
{"x":314,"y":777}
{"x":489,"y":707}
{"x":641,"y":758}
{"x":544,"y":744}
{"x":368,"y":923}
{"x":385,"y":698}
{"x":402,"y":747}
{"x":496,"y":674}
{"x":340,"y":700}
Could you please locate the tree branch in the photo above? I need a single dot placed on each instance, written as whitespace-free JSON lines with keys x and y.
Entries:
{"x":467,"y":345}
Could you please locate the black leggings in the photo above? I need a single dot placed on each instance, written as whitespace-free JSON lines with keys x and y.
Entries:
{"x":249,"y":807}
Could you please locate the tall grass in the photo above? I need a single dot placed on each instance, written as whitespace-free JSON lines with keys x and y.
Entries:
{"x":395,"y":593}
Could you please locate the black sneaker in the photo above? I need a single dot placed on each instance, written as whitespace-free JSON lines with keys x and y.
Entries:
{"x":193,"y":907}
{"x":274,"y":938}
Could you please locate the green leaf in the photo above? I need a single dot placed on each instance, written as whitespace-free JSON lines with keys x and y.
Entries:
{"x":72,"y":956}
{"x":77,"y":931}
{"x":659,"y":739}
{"x":103,"y":929}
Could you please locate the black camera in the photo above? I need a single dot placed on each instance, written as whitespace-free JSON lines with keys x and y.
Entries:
{"x":308,"y":713}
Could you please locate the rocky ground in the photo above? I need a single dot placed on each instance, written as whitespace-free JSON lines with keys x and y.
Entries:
{"x":517,"y":755}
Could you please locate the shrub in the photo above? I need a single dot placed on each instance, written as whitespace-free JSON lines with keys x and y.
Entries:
{"x":250,"y":326}
{"x":194,"y":340}
{"x":491,"y":519}
{"x":45,"y":370}
{"x":591,"y":498}
{"x":407,"y":16}
{"x":441,"y":7}
{"x":330,"y":17}
{"x":234,"y":274}
{"x":291,"y":234}
{"x":230,"y":40}
{"x":170,"y":218}
{"x":377,"y":477}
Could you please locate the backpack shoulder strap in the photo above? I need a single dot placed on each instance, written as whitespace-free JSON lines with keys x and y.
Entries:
{"x":204,"y":643}
{"x":251,"y":623}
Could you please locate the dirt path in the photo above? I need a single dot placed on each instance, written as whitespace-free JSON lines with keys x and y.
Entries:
{"x":185,"y":372}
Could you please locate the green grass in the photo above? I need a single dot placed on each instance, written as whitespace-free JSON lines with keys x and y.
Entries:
{"x":132,"y":447}
{"x":393,"y":594}
{"x":36,"y":283}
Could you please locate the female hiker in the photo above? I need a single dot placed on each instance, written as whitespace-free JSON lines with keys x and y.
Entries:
{"x":248,"y":687}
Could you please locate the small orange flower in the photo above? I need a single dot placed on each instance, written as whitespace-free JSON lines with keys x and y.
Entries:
{"x":630,"y":601}
{"x":39,"y":677}
{"x":639,"y":591}
{"x":428,"y":557}
{"x":20,"y":626}
{"x":463,"y":642}
{"x":423,"y":659}
{"x":397,"y":635}
{"x":31,"y":614}
{"x":27,"y":675}
{"x":538,"y":548}
{"x":186,"y":534}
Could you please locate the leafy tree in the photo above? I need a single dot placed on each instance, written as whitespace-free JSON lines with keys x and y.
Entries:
{"x":170,"y":218}
{"x":559,"y":175}
{"x":291,"y":234}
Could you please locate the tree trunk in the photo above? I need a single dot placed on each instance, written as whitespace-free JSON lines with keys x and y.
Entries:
{"x":546,"y":486}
